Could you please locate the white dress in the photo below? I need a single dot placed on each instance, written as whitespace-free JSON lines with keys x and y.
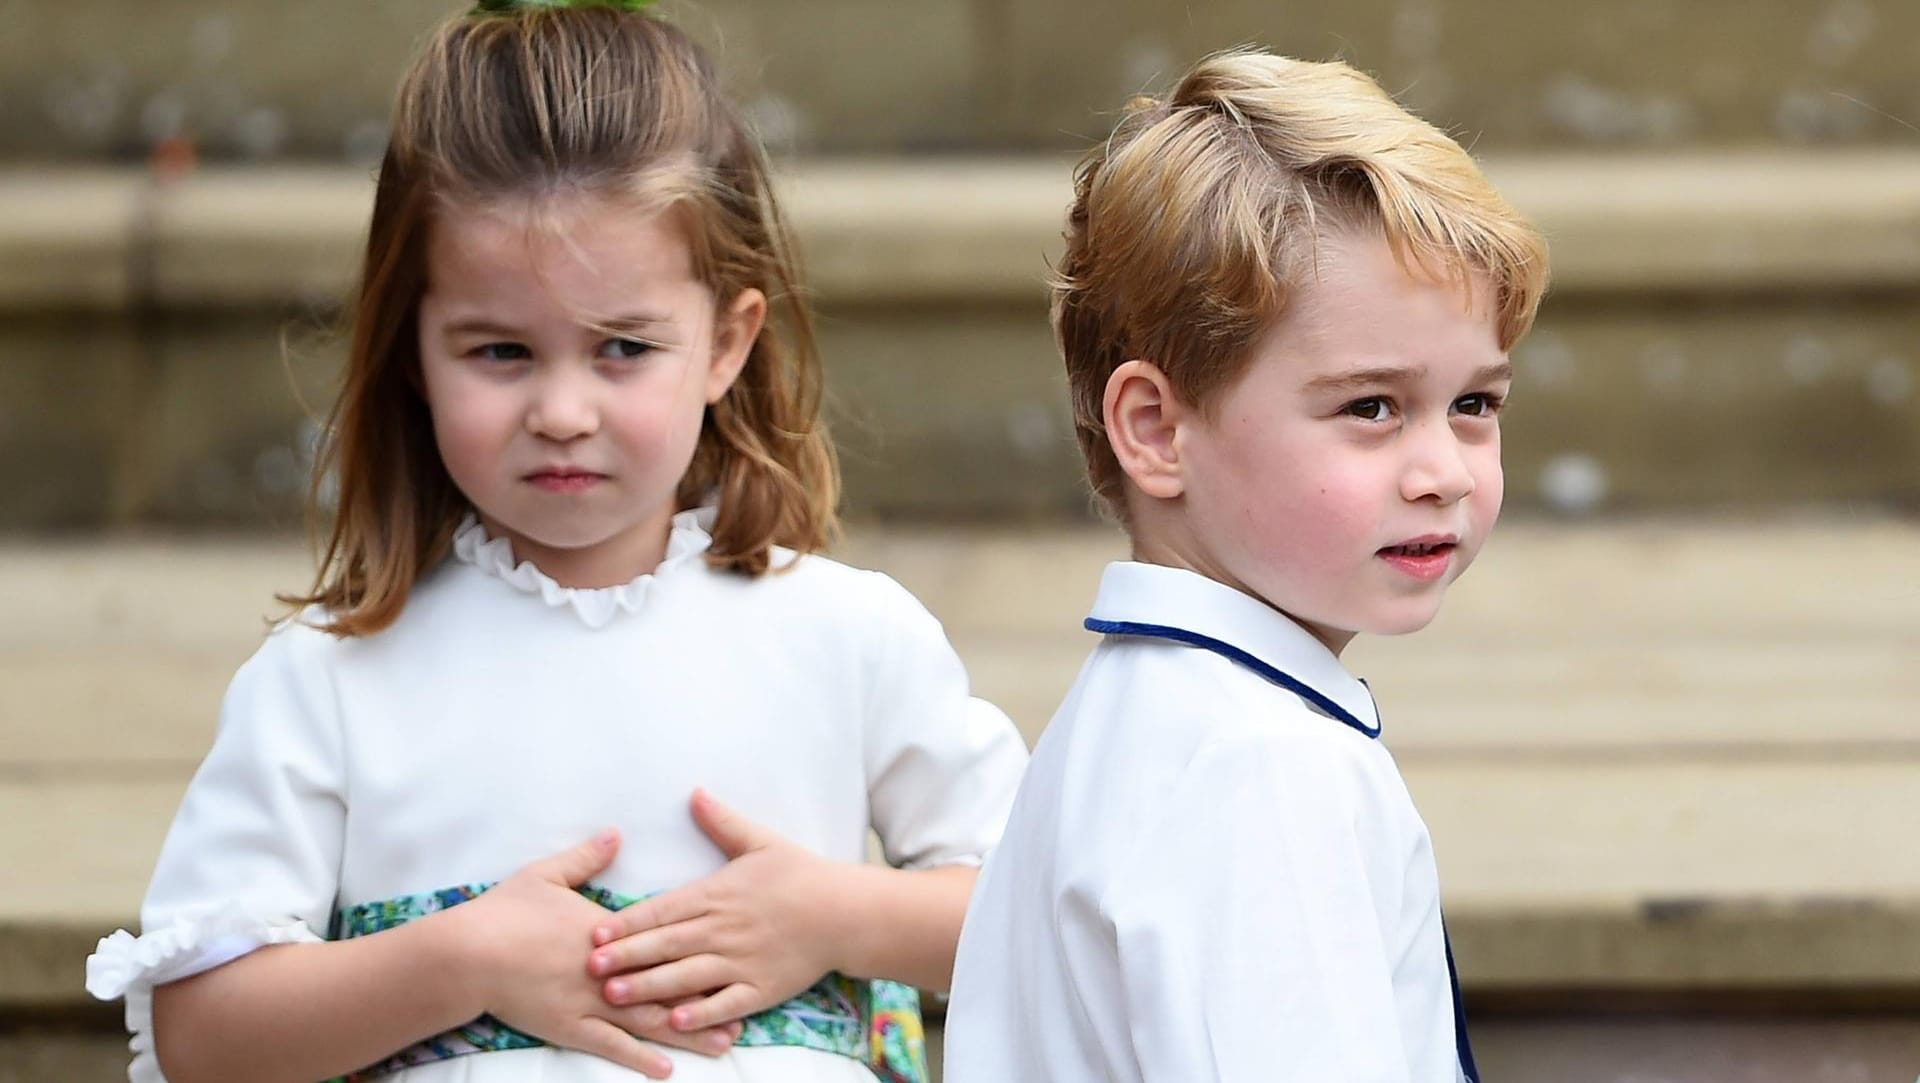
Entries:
{"x":1213,"y":871}
{"x":504,"y":718}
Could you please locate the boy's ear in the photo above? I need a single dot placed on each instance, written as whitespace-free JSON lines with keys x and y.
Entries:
{"x":734,"y":333}
{"x":1143,"y":417}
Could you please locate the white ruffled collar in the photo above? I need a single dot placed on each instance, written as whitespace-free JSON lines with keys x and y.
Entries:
{"x":688,"y":538}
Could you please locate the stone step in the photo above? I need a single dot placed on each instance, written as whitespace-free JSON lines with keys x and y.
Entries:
{"x":1659,"y":639}
{"x":1657,"y":757}
{"x":1734,"y":329}
{"x":1720,"y":223}
{"x":1593,"y":1048}
{"x":253,"y":79}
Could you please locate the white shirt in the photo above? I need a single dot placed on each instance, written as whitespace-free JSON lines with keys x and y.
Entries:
{"x":504,"y":718}
{"x":1206,"y":877}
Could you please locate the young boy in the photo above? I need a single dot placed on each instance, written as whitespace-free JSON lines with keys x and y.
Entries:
{"x":1285,"y":308}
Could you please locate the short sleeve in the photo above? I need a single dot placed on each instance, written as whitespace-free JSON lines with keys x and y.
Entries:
{"x":1248,"y":938}
{"x":942,"y":766}
{"x":253,"y":856}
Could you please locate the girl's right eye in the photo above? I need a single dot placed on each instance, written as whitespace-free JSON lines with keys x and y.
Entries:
{"x":501,"y":351}
{"x":626,"y":349}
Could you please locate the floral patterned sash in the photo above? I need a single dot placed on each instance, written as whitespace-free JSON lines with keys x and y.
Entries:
{"x":875,"y":1022}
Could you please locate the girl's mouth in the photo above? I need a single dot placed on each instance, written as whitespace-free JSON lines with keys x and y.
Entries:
{"x":566,"y":481}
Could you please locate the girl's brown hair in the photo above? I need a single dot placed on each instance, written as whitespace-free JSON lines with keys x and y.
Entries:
{"x":527,"y":104}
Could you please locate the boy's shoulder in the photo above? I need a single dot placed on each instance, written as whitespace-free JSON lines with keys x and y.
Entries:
{"x":1198,"y":740}
{"x":1188,"y":770}
{"x":1177,"y":640}
{"x":1210,"y":698}
{"x":1155,"y":729}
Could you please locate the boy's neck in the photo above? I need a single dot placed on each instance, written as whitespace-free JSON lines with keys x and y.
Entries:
{"x":1175,"y":549}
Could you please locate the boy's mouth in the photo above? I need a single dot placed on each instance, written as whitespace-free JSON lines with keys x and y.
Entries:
{"x":1418,"y":549}
{"x":1422,"y":558}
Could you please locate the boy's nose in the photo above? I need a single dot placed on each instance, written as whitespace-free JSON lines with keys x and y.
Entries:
{"x":1437,"y":469}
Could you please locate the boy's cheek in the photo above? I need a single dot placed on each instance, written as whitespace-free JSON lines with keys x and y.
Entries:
{"x":1496,"y":492}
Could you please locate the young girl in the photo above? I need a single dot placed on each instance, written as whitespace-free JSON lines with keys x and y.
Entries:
{"x":568,"y":581}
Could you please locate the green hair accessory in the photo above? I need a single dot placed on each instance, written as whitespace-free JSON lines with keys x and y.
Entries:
{"x":509,"y":7}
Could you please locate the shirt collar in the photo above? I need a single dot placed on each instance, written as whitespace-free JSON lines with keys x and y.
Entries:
{"x":688,"y":537}
{"x":1155,"y":601}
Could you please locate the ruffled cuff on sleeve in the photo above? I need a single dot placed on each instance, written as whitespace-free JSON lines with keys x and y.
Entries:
{"x":124,"y":965}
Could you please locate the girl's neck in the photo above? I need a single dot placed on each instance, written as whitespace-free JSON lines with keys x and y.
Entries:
{"x":610,"y":562}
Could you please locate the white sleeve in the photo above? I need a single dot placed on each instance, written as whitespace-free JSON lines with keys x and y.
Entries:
{"x":1248,"y":939}
{"x":253,"y":856}
{"x":941,"y":765}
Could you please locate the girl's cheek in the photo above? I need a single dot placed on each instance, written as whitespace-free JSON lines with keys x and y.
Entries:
{"x":472,"y":430}
{"x":464,"y":432}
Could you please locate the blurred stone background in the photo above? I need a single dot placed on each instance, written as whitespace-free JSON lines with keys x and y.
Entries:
{"x":1667,"y":736}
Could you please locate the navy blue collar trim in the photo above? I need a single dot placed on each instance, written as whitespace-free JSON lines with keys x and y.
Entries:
{"x":1235,"y":654}
{"x":1462,"y":1045}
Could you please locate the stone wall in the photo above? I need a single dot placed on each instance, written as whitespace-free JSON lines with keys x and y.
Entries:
{"x":251,"y":79}
{"x":1749,"y":338}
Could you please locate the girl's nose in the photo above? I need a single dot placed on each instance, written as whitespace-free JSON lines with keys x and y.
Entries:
{"x":563,"y":408}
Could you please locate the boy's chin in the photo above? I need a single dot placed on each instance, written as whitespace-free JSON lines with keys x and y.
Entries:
{"x":1401,"y":623}
{"x":1405,"y":629}
{"x":1342,"y":629}
{"x":1388,"y":620}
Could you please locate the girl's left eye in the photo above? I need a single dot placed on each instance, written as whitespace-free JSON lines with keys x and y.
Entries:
{"x":626,"y":349}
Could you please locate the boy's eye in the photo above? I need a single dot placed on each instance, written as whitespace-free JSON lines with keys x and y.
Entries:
{"x":1373,"y":409}
{"x":1479,"y":404}
{"x":626,"y":349}
{"x":502,"y":351}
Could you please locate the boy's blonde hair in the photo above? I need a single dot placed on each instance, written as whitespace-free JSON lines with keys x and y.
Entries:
{"x":522,"y":105}
{"x":1192,"y":226}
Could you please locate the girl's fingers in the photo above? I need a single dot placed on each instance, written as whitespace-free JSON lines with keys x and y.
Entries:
{"x":723,"y":1009}
{"x":680,"y":904}
{"x":603,"y":1039}
{"x":678,"y":980}
{"x":653,"y":1022}
{"x":732,"y":832}
{"x":649,"y":1021}
{"x":654,"y":947}
{"x":578,"y":864}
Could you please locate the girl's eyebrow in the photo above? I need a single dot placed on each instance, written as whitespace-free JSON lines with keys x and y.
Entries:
{"x":631,"y":322}
{"x":1358,"y":379}
{"x":480,"y":325}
